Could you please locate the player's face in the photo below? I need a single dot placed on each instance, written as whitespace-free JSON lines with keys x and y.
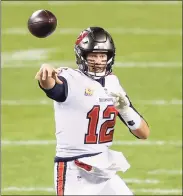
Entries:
{"x":97,"y":62}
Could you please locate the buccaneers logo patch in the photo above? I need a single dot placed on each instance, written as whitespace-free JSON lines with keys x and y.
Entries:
{"x":81,"y":37}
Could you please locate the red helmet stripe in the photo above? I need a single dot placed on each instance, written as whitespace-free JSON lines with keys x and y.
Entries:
{"x":81,"y":37}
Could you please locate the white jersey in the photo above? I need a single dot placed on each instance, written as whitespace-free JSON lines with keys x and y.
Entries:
{"x":85,"y":120}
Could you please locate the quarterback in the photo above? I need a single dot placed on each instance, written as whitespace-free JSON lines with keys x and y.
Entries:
{"x":87,"y":101}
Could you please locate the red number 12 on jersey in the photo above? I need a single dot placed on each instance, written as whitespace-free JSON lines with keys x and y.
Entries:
{"x":93,"y":115}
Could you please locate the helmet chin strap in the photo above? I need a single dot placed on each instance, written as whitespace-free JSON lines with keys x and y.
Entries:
{"x":96,"y":75}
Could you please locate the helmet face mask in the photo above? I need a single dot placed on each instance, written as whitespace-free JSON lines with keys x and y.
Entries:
{"x":95,"y":40}
{"x":97,"y":63}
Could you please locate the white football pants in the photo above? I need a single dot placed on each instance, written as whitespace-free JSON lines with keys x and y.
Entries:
{"x":71,"y":180}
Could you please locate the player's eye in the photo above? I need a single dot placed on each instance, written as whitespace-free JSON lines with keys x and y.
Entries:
{"x":103,"y":56}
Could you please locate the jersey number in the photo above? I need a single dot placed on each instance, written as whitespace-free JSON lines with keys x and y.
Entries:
{"x":93,"y":115}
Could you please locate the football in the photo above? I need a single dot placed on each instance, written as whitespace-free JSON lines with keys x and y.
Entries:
{"x":42,"y":23}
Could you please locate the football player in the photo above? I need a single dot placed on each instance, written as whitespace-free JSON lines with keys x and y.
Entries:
{"x":87,"y":101}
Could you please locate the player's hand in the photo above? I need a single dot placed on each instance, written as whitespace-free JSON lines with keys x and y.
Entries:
{"x":46,"y":72}
{"x":121,"y":102}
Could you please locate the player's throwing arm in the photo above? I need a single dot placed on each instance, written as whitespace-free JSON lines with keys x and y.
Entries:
{"x":47,"y":76}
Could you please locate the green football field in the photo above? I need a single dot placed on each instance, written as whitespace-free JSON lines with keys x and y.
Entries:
{"x":148,"y":62}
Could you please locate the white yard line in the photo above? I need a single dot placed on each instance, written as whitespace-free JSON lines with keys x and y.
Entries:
{"x":159,"y":102}
{"x":27,"y":142}
{"x":116,"y":30}
{"x":159,"y":191}
{"x":71,"y":3}
{"x":147,"y":143}
{"x":48,"y":102}
{"x":118,"y":143}
{"x":139,"y":181}
{"x":52,"y":190}
{"x":161,"y":2}
{"x":165,"y":171}
{"x":28,"y":189}
{"x":46,"y":189}
{"x":147,"y":64}
{"x":26,"y":102}
{"x":34,"y":57}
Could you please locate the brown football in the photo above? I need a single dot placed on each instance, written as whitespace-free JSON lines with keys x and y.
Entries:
{"x":42,"y":23}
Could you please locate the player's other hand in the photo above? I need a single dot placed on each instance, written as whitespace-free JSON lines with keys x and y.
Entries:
{"x":46,"y":71}
{"x":121,"y":102}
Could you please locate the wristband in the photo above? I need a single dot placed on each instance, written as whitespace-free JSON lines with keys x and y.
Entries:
{"x":131,"y":118}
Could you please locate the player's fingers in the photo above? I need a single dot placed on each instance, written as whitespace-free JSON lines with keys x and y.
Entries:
{"x":122,"y":94}
{"x":113,"y":94}
{"x":116,"y":104}
{"x":121,"y":98}
{"x":50,"y":73}
{"x":44,"y":75}
{"x":38,"y":75}
{"x":58,"y":81}
{"x":56,"y":70}
{"x":55,"y":77}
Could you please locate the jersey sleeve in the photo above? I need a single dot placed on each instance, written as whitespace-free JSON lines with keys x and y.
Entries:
{"x":59,"y":92}
{"x":64,"y":72}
